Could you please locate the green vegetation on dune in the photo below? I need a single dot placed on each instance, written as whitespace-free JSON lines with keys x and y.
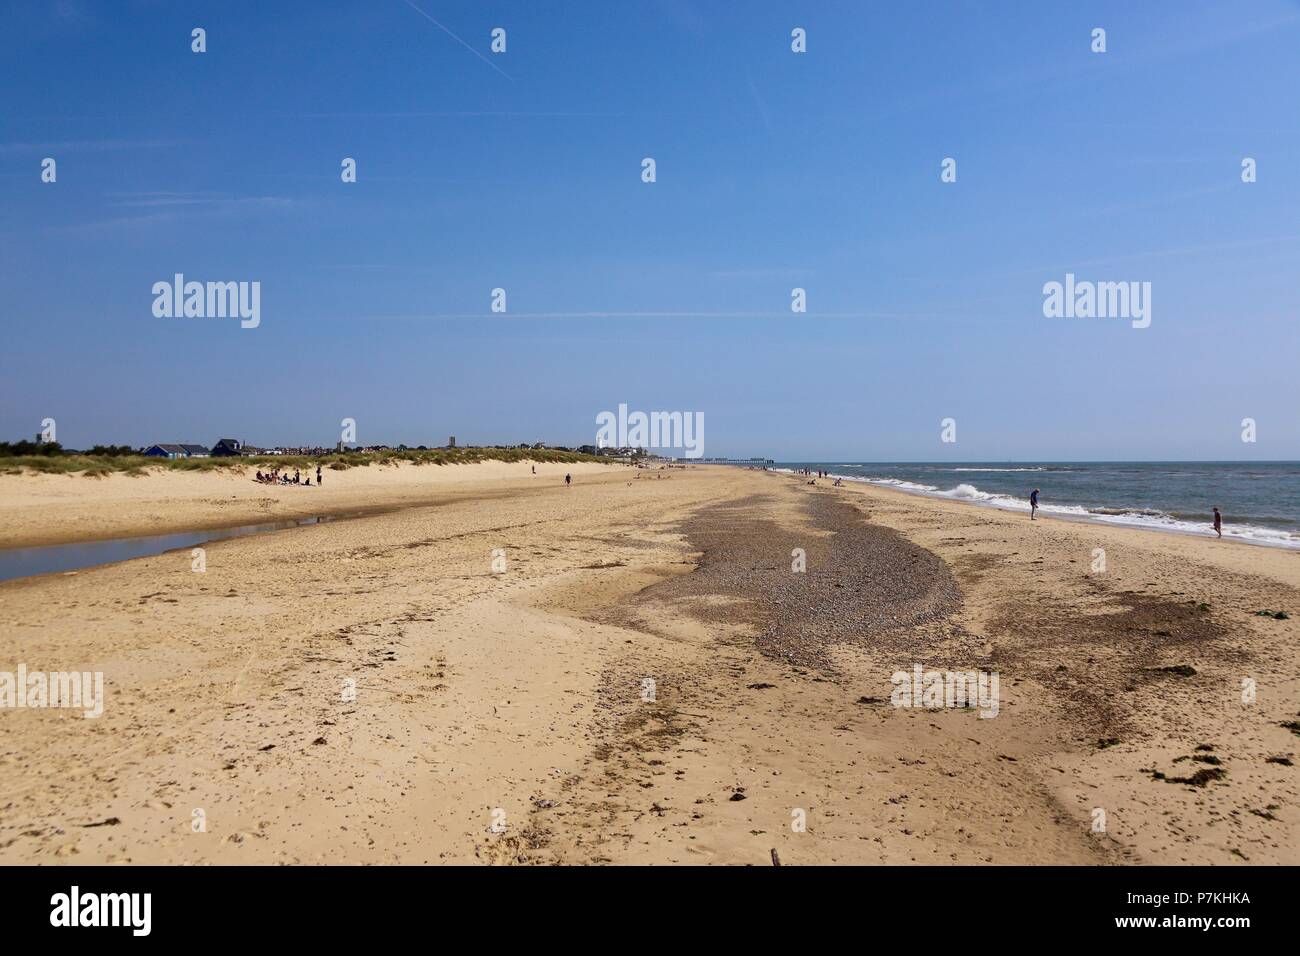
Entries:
{"x":94,"y":465}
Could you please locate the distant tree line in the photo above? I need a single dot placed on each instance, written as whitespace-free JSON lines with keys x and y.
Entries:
{"x":51,"y":449}
{"x":13,"y":449}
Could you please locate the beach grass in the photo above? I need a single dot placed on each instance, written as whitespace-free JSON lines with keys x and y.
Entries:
{"x":97,"y":466}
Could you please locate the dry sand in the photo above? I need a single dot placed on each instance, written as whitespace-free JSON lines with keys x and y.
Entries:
{"x":520,"y":696}
{"x":40,"y":509}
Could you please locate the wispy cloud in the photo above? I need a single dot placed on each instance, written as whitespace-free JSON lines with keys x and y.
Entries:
{"x":162,"y":208}
{"x":456,"y":114}
{"x":1202,"y":36}
{"x":513,"y":316}
{"x":759,"y":101}
{"x":87,"y":146}
{"x":210,"y":200}
{"x":760,"y":273}
{"x":1125,"y":258}
{"x":72,"y":13}
{"x":1176,"y":251}
{"x":100,"y":227}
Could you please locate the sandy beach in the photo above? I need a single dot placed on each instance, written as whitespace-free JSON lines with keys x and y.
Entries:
{"x":484,"y":666}
{"x":39,"y":509}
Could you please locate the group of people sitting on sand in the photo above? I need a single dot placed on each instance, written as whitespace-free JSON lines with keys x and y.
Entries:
{"x":820,"y":474}
{"x":273,"y":477}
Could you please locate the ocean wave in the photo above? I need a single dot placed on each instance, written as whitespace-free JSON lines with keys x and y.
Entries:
{"x":1237,"y":518}
{"x":898,"y":483}
{"x":1151,"y":519}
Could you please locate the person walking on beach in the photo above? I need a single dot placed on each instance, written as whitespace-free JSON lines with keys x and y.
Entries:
{"x":1033,"y":503}
{"x":568,"y":479}
{"x":318,"y":473}
{"x":1218,"y":523}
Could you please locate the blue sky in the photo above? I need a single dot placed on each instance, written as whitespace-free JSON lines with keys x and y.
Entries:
{"x":774,"y":170}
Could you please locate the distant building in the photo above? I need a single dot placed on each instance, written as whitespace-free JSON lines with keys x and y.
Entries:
{"x":165,"y":451}
{"x":169,"y":450}
{"x":226,"y":448}
{"x":587,"y":449}
{"x":451,"y":442}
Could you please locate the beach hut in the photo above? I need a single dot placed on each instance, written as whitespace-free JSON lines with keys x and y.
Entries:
{"x":165,"y":451}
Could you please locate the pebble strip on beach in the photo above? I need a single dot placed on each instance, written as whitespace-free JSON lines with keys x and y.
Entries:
{"x":861,"y":582}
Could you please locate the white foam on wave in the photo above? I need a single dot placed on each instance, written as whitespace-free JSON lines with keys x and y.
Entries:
{"x":1135,"y":518}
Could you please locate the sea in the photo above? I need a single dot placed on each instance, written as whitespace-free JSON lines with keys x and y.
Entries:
{"x":1259,"y":501}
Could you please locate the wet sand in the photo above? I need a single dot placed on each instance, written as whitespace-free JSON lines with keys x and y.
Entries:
{"x":504,"y":714}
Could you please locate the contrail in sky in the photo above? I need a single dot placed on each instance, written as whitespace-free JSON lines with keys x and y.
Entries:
{"x":458,"y":40}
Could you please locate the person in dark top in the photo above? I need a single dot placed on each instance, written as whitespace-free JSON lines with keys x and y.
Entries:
{"x":1033,"y":503}
{"x":318,"y":474}
{"x":1218,"y":523}
{"x":568,"y":479}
